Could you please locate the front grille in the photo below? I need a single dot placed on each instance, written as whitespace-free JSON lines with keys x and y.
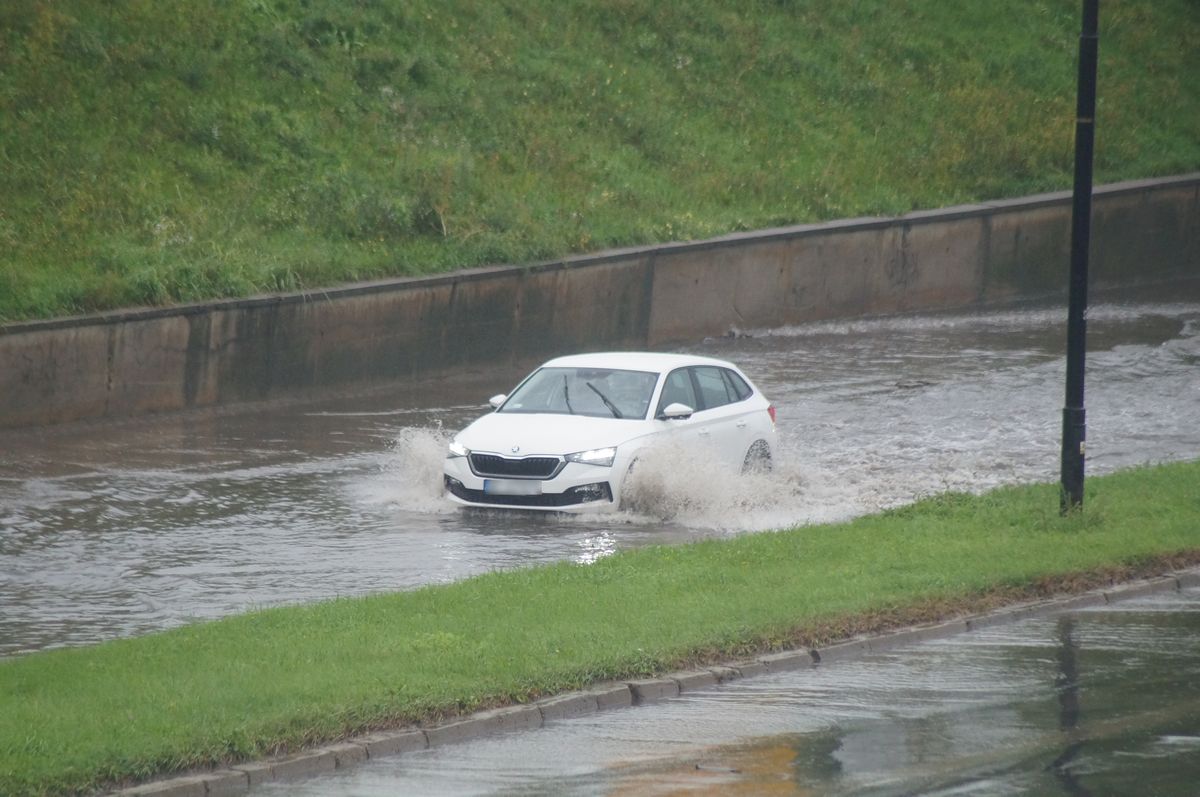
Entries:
{"x":584,"y":494}
{"x":523,"y":468}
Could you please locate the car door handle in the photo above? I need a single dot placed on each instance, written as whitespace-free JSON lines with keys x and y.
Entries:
{"x":704,"y":432}
{"x":741,"y":424}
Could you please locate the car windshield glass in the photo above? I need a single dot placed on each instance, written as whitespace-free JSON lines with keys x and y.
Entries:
{"x":599,"y":392}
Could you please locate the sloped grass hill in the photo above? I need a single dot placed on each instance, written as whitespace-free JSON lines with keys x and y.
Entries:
{"x":153,"y":153}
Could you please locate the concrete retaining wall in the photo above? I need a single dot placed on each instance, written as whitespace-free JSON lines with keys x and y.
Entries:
{"x":125,"y":363}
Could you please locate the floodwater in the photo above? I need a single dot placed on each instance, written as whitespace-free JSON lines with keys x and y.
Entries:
{"x":1040,"y":707}
{"x":117,"y":529}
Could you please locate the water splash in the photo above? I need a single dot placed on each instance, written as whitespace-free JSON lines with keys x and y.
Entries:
{"x":410,"y":473}
{"x":687,"y":485}
{"x":991,"y":320}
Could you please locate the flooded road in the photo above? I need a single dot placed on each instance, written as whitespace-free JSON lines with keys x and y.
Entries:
{"x":117,"y":529}
{"x":1040,"y":707}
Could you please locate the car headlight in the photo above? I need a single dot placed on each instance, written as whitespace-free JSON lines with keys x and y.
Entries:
{"x":457,"y":449}
{"x":597,"y":456}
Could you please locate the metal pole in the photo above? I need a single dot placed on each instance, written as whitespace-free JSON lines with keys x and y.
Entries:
{"x":1074,"y":418}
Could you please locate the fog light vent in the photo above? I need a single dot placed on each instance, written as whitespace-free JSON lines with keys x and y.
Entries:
{"x":586,"y":493}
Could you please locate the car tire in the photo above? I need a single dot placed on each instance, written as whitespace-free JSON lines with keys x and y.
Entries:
{"x":758,"y":458}
{"x":623,"y":505}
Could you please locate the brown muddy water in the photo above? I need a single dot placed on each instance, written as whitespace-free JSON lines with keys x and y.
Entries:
{"x":117,"y":529}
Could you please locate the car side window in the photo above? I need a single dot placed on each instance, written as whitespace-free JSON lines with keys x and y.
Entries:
{"x":677,"y":389}
{"x":714,"y":390}
{"x":737,"y":385}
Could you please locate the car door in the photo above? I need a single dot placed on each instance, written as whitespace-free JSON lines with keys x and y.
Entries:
{"x":679,"y":388}
{"x":722,"y":419}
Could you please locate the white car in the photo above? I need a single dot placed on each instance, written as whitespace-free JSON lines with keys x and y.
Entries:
{"x":568,"y":436}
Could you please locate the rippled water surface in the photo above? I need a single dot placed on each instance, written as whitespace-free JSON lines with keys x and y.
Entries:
{"x":116,"y":529}
{"x":1042,"y":707}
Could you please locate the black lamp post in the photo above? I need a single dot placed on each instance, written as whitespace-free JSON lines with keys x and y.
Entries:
{"x":1074,"y":418}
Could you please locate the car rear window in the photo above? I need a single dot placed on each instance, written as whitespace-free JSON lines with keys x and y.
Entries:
{"x":737,"y":384}
{"x":715,"y":391}
{"x":718,"y":387}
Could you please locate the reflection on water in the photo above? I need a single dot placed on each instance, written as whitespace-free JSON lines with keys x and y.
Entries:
{"x":116,"y":529}
{"x":1098,"y":702}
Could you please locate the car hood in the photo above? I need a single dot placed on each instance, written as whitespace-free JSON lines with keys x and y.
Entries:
{"x":550,"y":434}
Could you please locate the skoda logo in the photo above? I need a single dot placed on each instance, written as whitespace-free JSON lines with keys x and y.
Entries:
{"x":515,"y":449}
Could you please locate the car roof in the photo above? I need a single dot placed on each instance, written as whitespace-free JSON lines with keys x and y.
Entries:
{"x":633,"y":360}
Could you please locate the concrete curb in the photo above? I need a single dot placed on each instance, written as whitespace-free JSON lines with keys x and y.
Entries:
{"x":239,"y":778}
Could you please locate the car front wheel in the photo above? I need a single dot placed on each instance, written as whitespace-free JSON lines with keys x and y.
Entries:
{"x":626,"y":504}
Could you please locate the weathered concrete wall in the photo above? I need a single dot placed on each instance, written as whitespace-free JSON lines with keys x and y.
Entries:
{"x":125,"y":363}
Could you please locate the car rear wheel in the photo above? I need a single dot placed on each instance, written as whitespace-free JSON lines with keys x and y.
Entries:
{"x":758,"y":458}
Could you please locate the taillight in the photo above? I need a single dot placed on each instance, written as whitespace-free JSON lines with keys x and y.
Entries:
{"x":771,"y":412}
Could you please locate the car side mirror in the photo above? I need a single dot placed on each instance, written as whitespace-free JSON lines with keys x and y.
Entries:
{"x":676,"y":412}
{"x":497,"y":400}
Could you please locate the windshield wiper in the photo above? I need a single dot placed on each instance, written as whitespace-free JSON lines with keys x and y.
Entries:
{"x":567,"y":395}
{"x":611,"y":407}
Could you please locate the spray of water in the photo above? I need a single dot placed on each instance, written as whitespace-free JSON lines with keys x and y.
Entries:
{"x":683,"y":483}
{"x":410,"y":473}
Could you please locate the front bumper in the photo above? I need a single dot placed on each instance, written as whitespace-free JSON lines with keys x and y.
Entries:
{"x":574,"y":488}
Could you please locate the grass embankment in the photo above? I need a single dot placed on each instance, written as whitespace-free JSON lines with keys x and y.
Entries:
{"x":275,"y":679}
{"x":152,"y":153}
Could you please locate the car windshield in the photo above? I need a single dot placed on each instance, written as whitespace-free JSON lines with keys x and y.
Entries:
{"x":599,"y":392}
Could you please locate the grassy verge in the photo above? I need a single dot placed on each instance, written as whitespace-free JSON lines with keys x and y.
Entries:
{"x":272,"y":680}
{"x":153,"y":153}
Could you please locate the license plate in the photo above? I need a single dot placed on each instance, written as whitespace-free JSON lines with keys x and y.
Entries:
{"x":512,"y":487}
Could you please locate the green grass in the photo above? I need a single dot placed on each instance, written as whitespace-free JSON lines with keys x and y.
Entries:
{"x":272,"y":680}
{"x":154,"y":153}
